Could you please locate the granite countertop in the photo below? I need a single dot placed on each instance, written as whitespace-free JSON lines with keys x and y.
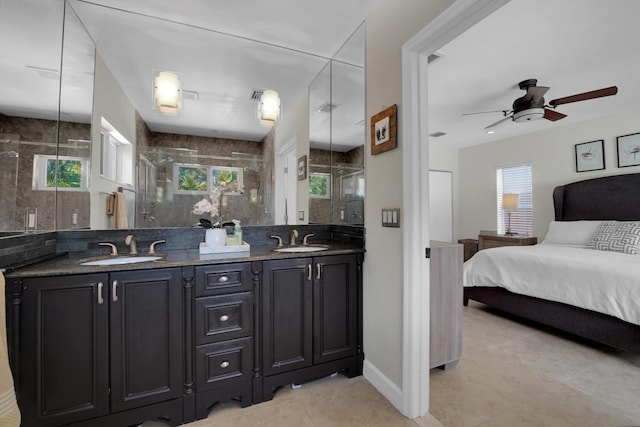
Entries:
{"x":69,"y":263}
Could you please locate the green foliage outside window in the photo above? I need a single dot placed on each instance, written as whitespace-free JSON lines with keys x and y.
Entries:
{"x":69,"y":173}
{"x":318,"y":185}
{"x":223,"y":177}
{"x":192,"y":179}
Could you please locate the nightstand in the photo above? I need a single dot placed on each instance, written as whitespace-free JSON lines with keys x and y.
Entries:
{"x":486,"y":241}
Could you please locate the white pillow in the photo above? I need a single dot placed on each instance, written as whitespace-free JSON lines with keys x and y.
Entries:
{"x":571,"y":233}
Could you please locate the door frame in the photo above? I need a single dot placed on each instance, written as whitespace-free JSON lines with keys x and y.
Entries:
{"x":458,"y":18}
{"x":286,"y":157}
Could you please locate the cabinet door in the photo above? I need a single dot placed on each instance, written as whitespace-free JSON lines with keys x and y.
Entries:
{"x":335,"y":307}
{"x":287,"y":315}
{"x":146,"y":337}
{"x":64,"y":375}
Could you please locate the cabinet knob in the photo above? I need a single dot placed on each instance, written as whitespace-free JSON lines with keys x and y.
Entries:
{"x":223,"y":279}
{"x":224,"y":364}
{"x":224,"y":318}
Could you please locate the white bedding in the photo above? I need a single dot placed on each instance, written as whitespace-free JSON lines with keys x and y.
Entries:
{"x":606,"y":282}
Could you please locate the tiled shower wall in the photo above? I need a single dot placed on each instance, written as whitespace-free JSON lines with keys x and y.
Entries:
{"x":29,"y":137}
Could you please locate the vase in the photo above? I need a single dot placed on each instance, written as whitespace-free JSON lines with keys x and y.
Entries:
{"x":216,"y":237}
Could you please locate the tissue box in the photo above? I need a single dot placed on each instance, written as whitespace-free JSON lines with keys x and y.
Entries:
{"x":205,"y":249}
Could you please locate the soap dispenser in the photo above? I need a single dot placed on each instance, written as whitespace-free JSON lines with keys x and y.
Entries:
{"x":237,"y":231}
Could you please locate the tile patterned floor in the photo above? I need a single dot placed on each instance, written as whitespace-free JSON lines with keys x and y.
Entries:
{"x":511,"y":374}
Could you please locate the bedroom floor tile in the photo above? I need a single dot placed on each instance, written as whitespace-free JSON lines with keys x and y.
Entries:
{"x":516,"y":374}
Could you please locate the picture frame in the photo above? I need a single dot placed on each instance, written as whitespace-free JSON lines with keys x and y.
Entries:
{"x":302,"y":168}
{"x":590,"y":156}
{"x":383,"y":130}
{"x":628,"y":150}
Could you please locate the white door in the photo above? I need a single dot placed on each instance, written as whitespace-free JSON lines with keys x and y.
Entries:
{"x":286,"y":185}
{"x":441,"y":205}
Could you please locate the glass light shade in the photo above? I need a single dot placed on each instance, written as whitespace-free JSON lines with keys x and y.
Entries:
{"x":167,"y":93}
{"x":510,"y":202}
{"x":269,"y":107}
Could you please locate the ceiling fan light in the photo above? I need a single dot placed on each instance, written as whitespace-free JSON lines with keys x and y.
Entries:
{"x":166,"y":93}
{"x":528,"y":115}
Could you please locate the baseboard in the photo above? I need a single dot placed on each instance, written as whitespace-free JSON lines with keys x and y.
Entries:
{"x":383,"y":384}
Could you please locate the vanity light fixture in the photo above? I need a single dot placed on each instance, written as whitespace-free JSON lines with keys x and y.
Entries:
{"x":269,"y":108}
{"x":167,"y":96}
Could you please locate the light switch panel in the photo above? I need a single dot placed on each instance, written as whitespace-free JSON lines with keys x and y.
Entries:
{"x":391,"y":217}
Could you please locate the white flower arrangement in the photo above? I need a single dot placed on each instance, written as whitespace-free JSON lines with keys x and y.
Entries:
{"x":211,"y":204}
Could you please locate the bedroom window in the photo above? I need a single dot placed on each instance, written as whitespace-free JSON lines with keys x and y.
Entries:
{"x":515,"y":180}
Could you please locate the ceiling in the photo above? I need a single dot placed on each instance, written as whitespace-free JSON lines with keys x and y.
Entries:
{"x":572,"y":46}
{"x":220,"y":51}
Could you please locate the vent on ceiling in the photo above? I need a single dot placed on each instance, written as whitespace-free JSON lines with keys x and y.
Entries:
{"x":435,"y":56}
{"x":437,"y":134}
{"x":256,"y":94}
{"x":327,"y":107}
{"x":191,"y":95}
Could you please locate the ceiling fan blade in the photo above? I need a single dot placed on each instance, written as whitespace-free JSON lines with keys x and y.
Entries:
{"x":486,"y":112}
{"x":608,"y":91}
{"x":499,"y":122}
{"x":553,"y":115}
{"x":535,"y":93}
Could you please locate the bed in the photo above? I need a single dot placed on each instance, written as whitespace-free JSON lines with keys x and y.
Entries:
{"x":600,"y":199}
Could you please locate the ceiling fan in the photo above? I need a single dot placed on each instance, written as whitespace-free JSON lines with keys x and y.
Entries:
{"x":532,"y":105}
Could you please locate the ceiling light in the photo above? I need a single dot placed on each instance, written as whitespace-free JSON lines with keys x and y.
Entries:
{"x":528,"y":115}
{"x":269,"y":108}
{"x":166,"y":93}
{"x":490,"y":131}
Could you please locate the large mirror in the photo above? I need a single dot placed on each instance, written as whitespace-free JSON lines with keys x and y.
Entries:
{"x":95,"y":138}
{"x":337,"y":137}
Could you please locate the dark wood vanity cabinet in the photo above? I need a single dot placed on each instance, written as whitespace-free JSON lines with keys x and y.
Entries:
{"x":101,"y":345}
{"x":223,"y":337}
{"x":310,"y":319}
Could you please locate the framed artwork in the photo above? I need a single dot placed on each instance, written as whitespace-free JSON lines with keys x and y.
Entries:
{"x":302,"y":168}
{"x":590,"y":156}
{"x":383,"y":130}
{"x":628,"y":150}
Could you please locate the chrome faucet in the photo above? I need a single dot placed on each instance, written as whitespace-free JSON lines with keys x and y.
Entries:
{"x":132,"y":244}
{"x":114,"y":249}
{"x":294,"y":235}
{"x":304,"y":240}
{"x":152,"y":247}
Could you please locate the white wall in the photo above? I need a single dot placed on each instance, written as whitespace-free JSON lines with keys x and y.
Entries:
{"x":111,"y":103}
{"x":552,"y":156}
{"x":295,"y":124}
{"x":388,"y":28}
{"x":446,"y":159}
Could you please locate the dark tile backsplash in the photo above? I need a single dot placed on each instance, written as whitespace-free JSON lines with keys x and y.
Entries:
{"x":16,"y":251}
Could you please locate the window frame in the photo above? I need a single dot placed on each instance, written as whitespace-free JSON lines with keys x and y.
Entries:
{"x":40,"y":166}
{"x":325,"y":175}
{"x":210,"y":184}
{"x":521,"y":182}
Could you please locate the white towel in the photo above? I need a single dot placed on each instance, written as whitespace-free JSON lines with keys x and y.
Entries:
{"x":9,"y":411}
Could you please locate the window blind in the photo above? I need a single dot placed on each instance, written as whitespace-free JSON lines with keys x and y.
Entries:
{"x":515,"y":179}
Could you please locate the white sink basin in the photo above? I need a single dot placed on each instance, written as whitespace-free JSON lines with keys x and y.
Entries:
{"x":302,"y":249}
{"x":122,"y":260}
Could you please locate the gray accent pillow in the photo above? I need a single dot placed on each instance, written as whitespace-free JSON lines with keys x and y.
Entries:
{"x":617,"y":236}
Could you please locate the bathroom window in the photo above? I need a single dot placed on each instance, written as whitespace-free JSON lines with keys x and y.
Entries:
{"x":319,"y":185}
{"x":201,"y":179}
{"x":116,"y":155}
{"x":62,"y":173}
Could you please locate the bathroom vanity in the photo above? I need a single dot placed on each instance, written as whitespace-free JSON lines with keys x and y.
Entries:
{"x":167,"y":340}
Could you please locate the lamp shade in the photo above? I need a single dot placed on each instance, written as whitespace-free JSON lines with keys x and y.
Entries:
{"x":166,"y":93}
{"x":510,"y":201}
{"x":269,"y":109}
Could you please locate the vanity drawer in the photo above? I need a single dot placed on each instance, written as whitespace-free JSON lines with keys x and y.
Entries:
{"x":223,"y":317}
{"x":221,"y":363}
{"x":223,"y":279}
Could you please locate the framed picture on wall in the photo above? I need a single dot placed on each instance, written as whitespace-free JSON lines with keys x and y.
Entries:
{"x":628,"y":150}
{"x":302,"y":168}
{"x":383,"y":130}
{"x":590,"y":156}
